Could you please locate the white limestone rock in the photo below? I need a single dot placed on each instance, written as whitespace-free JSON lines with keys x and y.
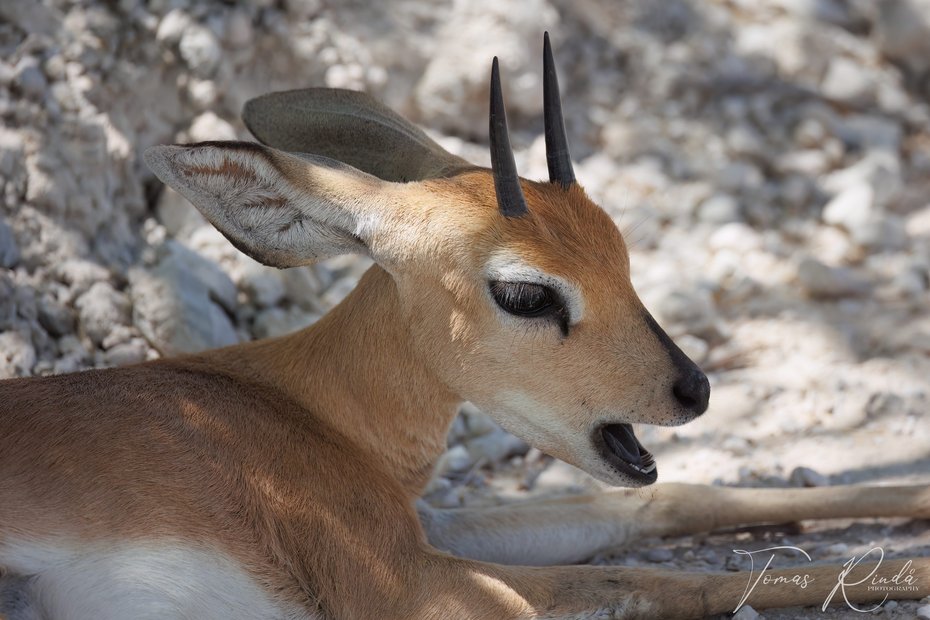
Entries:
{"x":822,"y":281}
{"x":175,"y":312}
{"x":101,"y":309}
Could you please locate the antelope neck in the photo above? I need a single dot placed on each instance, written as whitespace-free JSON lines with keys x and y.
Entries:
{"x":357,"y":371}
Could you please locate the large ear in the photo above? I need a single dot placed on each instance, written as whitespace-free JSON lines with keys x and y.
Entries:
{"x":282,"y":210}
{"x":350,"y":127}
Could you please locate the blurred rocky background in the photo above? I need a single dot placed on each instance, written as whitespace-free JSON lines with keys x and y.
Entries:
{"x":768,"y":160}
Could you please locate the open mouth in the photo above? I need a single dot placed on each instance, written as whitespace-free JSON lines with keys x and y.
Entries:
{"x":622,"y":450}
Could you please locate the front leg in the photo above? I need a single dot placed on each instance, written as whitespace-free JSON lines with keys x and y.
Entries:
{"x":574,"y":528}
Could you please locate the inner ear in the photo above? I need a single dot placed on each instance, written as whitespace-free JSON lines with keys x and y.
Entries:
{"x":280,"y":209}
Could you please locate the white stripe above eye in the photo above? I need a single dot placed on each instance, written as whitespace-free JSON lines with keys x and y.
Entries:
{"x":509,"y":267}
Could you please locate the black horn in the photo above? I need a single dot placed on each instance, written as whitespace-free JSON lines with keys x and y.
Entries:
{"x":506,"y":181}
{"x":557,"y":156}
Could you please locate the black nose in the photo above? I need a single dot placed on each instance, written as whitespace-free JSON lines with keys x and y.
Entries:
{"x":692,"y":390}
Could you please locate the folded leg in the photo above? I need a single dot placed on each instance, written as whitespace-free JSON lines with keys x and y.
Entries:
{"x":469,"y":589}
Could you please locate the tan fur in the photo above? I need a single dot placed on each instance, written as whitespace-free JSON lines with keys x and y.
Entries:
{"x":302,"y":457}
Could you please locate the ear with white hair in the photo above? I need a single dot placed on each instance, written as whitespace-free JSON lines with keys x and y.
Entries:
{"x":281,"y":209}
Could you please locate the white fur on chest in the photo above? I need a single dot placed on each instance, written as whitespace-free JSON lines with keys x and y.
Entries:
{"x":157,"y":579}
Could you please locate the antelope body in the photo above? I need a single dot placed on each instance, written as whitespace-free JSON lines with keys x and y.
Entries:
{"x":279,"y":478}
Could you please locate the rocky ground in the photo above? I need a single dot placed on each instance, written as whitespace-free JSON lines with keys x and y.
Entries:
{"x":768,"y":161}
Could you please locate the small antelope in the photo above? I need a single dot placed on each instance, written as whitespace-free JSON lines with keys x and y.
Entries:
{"x":280,"y":478}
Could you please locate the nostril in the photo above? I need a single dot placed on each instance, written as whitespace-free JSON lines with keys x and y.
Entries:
{"x":680,"y":390}
{"x":692,"y":391}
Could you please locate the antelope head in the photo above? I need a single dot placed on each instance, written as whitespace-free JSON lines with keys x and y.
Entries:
{"x":515,"y":293}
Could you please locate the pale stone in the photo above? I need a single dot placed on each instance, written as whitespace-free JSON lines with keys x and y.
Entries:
{"x":851,"y":208}
{"x":173,"y":310}
{"x":719,"y":209}
{"x":210,"y":127}
{"x":101,"y":309}
{"x":822,"y":281}
{"x":847,"y":81}
{"x":17,"y":355}
{"x":172,"y":26}
{"x":807,"y":477}
{"x":200,"y":50}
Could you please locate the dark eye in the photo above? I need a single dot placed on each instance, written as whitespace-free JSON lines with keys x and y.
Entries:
{"x":525,"y":298}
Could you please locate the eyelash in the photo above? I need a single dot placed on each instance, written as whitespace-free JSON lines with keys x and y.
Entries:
{"x":539,"y":301}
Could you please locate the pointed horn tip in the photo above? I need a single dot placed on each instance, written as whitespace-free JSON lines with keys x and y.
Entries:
{"x":510,"y":199}
{"x":557,"y":153}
